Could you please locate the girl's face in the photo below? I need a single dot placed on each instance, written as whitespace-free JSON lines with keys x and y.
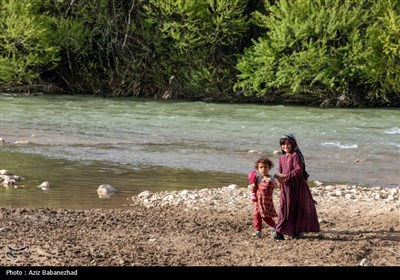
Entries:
{"x":287,"y":147}
{"x":263,"y":169}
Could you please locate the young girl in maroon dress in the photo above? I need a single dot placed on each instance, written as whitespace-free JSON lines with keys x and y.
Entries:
{"x":262,"y":187}
{"x":297,"y":207}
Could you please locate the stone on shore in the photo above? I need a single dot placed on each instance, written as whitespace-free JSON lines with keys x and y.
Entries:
{"x":233,"y":195}
{"x":105,"y":191}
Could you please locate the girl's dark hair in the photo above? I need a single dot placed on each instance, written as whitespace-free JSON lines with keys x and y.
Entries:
{"x":282,"y":140}
{"x":265,"y":161}
{"x":295,"y":148}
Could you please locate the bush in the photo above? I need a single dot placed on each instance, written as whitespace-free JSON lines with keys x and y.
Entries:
{"x":195,"y":42}
{"x":27,"y":46}
{"x":324,"y":51}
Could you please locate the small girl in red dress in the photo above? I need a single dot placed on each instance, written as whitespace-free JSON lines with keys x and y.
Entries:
{"x":262,"y":187}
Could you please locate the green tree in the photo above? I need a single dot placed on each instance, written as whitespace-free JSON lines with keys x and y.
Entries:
{"x":324,"y":51}
{"x":103,"y":47}
{"x":382,"y":67}
{"x":27,"y":46}
{"x":195,"y":42}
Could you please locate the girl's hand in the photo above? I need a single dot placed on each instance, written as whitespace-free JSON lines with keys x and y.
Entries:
{"x":253,"y":197}
{"x":281,"y":178}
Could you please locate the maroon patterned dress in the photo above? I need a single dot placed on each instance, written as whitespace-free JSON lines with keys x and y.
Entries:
{"x":264,"y":209}
{"x":297,"y":209}
{"x":265,"y":204}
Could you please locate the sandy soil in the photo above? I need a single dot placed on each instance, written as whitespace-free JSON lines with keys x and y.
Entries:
{"x":353,"y":233}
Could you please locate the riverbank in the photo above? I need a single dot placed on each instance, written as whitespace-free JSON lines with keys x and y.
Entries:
{"x":206,"y":227}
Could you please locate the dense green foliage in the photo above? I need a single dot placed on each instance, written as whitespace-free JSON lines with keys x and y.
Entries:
{"x":26,"y":48}
{"x":341,"y":51}
{"x":195,"y":43}
{"x":328,"y":52}
{"x":116,"y":48}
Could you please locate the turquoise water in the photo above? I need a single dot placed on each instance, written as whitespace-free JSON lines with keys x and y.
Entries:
{"x":80,"y":142}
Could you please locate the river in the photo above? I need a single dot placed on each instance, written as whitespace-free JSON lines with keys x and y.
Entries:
{"x":80,"y":142}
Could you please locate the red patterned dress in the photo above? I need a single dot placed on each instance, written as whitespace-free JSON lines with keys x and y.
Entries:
{"x":264,"y":206}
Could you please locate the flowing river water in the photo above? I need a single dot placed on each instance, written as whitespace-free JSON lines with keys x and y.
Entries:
{"x":80,"y":142}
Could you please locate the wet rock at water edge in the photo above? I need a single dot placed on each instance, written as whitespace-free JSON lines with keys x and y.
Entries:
{"x":105,"y":191}
{"x":7,"y":179}
{"x":45,"y":186}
